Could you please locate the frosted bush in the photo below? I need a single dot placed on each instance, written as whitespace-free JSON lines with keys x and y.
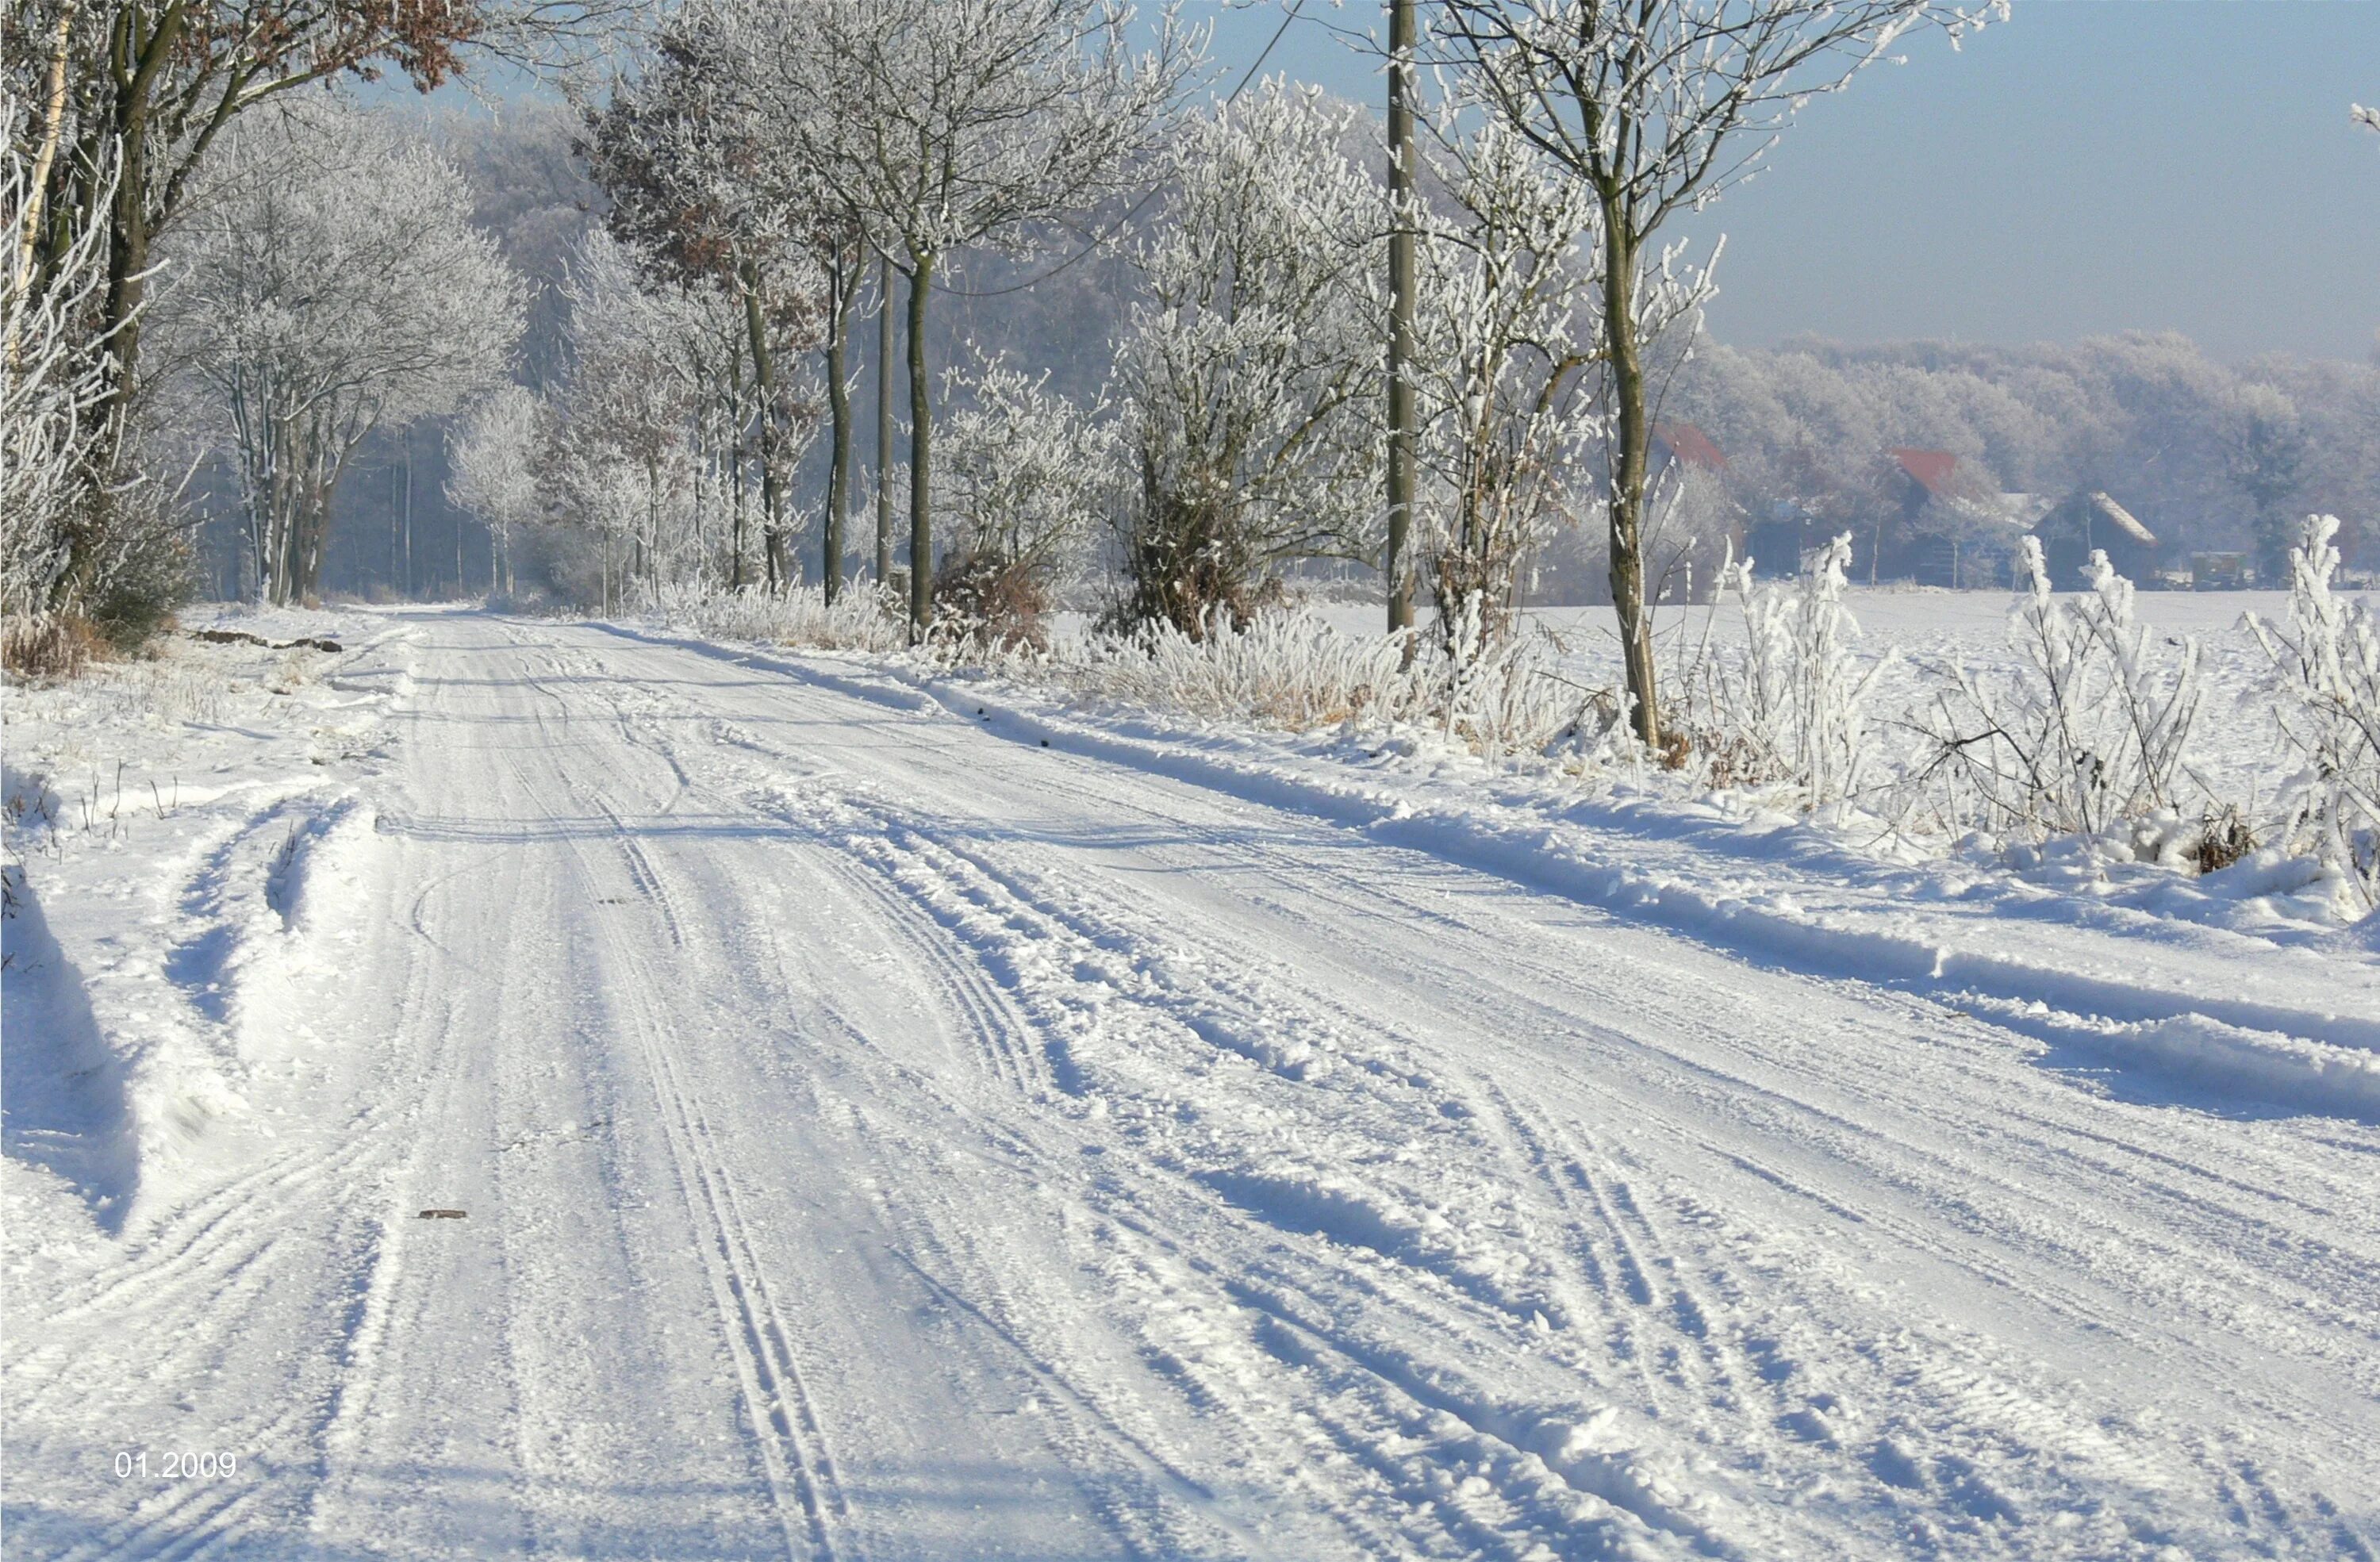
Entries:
{"x":2326,"y":680}
{"x":2091,"y":734}
{"x":1283,"y":668}
{"x":1289,"y":668}
{"x":1492,"y":689}
{"x":797,"y":617}
{"x":1794,"y":705}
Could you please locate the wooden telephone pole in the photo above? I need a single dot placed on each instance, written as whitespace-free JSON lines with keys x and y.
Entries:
{"x":1403,"y":436}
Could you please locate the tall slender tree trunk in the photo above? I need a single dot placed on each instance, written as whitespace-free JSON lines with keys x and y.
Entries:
{"x":844,"y":281}
{"x":764,"y":381}
{"x":883,"y":420}
{"x":137,"y":55}
{"x":735,"y":475}
{"x":921,"y":422}
{"x":1404,"y":434}
{"x":1630,"y":458}
{"x":37,"y":186}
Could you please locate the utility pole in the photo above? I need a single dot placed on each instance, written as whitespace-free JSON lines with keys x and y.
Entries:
{"x":1404,"y":437}
{"x":408,"y":437}
{"x":883,"y":420}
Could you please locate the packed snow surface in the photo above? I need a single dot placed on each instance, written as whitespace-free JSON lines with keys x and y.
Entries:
{"x":902,"y":1117}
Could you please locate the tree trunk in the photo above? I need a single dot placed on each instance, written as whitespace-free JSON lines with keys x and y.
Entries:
{"x":735,"y":478}
{"x":764,"y":381}
{"x":922,"y":415}
{"x":845,"y":282}
{"x":135,"y":61}
{"x":883,"y":421}
{"x":1403,"y":436}
{"x":37,"y":186}
{"x":1630,"y":458}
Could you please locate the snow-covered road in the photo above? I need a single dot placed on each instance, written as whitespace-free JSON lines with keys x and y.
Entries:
{"x":883,"y":1136}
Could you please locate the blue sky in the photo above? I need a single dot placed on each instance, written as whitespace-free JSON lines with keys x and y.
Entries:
{"x":2087,"y":167}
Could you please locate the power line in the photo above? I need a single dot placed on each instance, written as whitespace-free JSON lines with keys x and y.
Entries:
{"x":1124,"y":222}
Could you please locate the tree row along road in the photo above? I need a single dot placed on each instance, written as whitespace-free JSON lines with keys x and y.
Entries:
{"x":880,"y":1136}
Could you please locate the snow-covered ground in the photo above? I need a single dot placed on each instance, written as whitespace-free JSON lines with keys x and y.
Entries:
{"x":908,"y":1116}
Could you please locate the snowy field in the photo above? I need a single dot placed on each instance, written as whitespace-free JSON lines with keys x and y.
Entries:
{"x":899,"y":1116}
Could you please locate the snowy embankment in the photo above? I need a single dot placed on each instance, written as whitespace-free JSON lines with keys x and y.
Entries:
{"x":171,"y":822}
{"x":2241,"y":984}
{"x":901,"y":1113}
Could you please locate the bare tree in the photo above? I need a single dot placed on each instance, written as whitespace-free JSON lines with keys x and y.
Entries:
{"x":1508,"y":284}
{"x":1656,"y":106}
{"x":332,"y":284}
{"x":494,"y":465}
{"x":948,"y":124}
{"x":1248,"y":377}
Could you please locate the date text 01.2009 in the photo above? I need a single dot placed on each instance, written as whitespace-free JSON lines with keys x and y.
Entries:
{"x":176,"y":1464}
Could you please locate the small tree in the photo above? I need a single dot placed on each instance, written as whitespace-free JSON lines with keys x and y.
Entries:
{"x":493,"y":466}
{"x":1656,"y":107}
{"x":947,"y":124}
{"x":2327,"y":673}
{"x":1247,"y":377}
{"x":332,"y":284}
{"x":1026,"y":478}
{"x":1507,"y":278}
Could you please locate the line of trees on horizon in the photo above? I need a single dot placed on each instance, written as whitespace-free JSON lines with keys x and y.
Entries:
{"x":966,"y":298}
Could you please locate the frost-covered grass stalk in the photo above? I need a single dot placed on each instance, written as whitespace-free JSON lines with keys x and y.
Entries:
{"x":2091,"y":735}
{"x":1794,"y":706}
{"x":2326,"y":681}
{"x":1288,"y":668}
{"x":1282,"y":669}
{"x":798,"y":616}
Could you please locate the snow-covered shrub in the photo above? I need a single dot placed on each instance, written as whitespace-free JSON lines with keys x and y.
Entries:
{"x":1246,"y":380}
{"x":1024,"y":477}
{"x":1282,"y":668}
{"x":1492,"y":689}
{"x":2089,"y":736}
{"x":1290,"y":668}
{"x":799,"y":615}
{"x":1793,"y":707}
{"x":1506,"y":408}
{"x":2326,"y":681}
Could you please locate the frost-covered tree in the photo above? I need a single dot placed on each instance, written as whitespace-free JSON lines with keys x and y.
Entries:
{"x":2267,"y":455}
{"x":494,"y":470}
{"x":2326,"y":677}
{"x":49,"y":389}
{"x":948,"y":124}
{"x":146,"y":92}
{"x":1025,"y":480}
{"x":1247,"y":376}
{"x":1655,"y":106}
{"x":647,"y":457}
{"x":699,"y":191}
{"x":329,"y":284}
{"x":1508,"y":277}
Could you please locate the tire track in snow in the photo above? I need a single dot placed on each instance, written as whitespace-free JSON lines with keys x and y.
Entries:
{"x":777,"y":1403}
